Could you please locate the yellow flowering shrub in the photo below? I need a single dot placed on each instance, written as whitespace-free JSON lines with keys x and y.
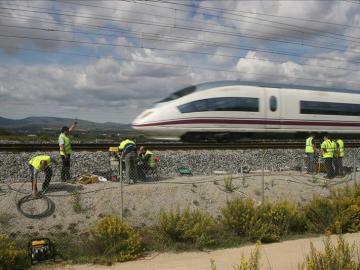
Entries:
{"x":11,"y":257}
{"x":267,"y":222}
{"x":187,"y":226}
{"x":334,"y":257}
{"x":252,"y":263}
{"x":350,"y":221}
{"x":116,"y":240}
{"x":238,"y":215}
{"x":340,"y":212}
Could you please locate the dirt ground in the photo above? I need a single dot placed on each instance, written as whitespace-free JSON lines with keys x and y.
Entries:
{"x":77,"y":207}
{"x":278,"y":256}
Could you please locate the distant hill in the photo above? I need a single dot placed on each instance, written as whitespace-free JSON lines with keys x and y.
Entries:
{"x":55,"y":123}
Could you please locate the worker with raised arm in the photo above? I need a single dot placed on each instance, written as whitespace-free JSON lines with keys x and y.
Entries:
{"x":40,"y":164}
{"x":65,"y":151}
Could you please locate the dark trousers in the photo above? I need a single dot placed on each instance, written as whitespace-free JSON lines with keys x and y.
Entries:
{"x":329,"y":167}
{"x":131,"y":167}
{"x":65,"y":169}
{"x":142,"y":170}
{"x":48,"y":174}
{"x":338,"y":166}
{"x":310,"y":162}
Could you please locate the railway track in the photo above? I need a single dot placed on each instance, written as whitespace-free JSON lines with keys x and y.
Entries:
{"x":33,"y":147}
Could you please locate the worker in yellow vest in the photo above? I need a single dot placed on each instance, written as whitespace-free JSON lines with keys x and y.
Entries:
{"x":146,"y":161}
{"x":41,"y":164}
{"x":327,"y":150}
{"x":338,"y":159}
{"x":128,"y":153}
{"x":65,"y":151}
{"x":310,"y":151}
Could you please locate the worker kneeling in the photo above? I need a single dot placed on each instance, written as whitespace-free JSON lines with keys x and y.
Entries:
{"x":146,"y":162}
{"x":38,"y":164}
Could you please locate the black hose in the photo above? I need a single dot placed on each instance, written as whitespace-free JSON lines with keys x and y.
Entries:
{"x":49,"y":211}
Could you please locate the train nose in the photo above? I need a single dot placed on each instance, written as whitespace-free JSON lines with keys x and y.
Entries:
{"x":142,"y":119}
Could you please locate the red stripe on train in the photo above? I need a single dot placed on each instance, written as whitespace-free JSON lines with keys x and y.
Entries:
{"x":251,"y":122}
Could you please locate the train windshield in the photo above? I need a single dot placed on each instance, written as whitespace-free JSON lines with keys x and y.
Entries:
{"x":180,"y":93}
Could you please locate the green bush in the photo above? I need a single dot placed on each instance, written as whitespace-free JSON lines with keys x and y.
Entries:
{"x":351,"y":219}
{"x":193,"y":227}
{"x":114,"y":240}
{"x":274,"y":220}
{"x":339,"y":257}
{"x":72,"y":247}
{"x":11,"y":256}
{"x":320,"y":215}
{"x":238,"y":215}
{"x":267,"y":222}
{"x":340,"y":212}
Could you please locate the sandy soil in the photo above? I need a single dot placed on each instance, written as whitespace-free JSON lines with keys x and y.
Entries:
{"x":142,"y":202}
{"x":277,"y":256}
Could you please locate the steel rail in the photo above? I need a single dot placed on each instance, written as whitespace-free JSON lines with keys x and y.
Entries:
{"x":92,"y":147}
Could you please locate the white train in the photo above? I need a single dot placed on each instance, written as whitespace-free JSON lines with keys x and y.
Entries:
{"x":235,"y":109}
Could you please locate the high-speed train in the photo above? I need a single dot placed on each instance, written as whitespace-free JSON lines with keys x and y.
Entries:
{"x":238,"y":109}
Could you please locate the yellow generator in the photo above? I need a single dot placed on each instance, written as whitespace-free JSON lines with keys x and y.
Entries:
{"x":114,"y":163}
{"x":41,"y":250}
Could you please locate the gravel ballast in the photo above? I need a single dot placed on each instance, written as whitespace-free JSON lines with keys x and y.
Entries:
{"x":14,"y":168}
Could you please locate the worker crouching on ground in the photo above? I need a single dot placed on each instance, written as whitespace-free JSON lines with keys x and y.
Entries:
{"x":146,"y":162}
{"x":327,"y":150}
{"x":65,"y":151}
{"x":38,"y":164}
{"x":310,"y":151}
{"x":128,"y":153}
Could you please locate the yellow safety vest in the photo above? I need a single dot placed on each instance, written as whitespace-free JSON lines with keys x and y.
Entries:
{"x":67,"y":144}
{"x":124,"y":143}
{"x":328,"y":148}
{"x":35,"y":161}
{"x":309,"y":145}
{"x":151,"y":161}
{"x":341,"y":144}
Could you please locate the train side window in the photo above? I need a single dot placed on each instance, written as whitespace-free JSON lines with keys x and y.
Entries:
{"x":180,"y":93}
{"x":245,"y":104}
{"x":273,"y":103}
{"x":329,"y":108}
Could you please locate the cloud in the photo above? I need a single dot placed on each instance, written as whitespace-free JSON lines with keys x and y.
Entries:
{"x":116,"y":82}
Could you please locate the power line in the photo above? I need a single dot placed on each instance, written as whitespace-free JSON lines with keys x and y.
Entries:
{"x":272,"y":76}
{"x":174,"y":50}
{"x":207,"y":23}
{"x":297,"y":18}
{"x":71,"y":41}
{"x":199,"y":42}
{"x":237,"y":10}
{"x":192,"y":29}
{"x":297,"y":28}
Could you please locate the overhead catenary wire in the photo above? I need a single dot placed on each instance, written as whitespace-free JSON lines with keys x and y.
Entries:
{"x":184,"y":27}
{"x":234,"y":56}
{"x":272,"y":76}
{"x":297,"y":28}
{"x":171,"y":50}
{"x":260,"y":50}
{"x":207,"y":23}
{"x":237,"y":47}
{"x":205,"y":53}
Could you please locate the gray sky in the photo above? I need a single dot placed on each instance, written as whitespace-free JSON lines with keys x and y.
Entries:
{"x":110,"y":60}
